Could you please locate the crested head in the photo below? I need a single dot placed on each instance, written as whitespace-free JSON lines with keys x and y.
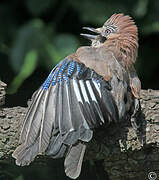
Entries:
{"x":122,"y":24}
{"x":124,"y":34}
{"x":119,"y":32}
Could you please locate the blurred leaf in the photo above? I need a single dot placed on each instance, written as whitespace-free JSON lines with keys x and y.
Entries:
{"x":19,"y":178}
{"x":30,"y":62}
{"x":152,"y":13}
{"x":54,"y":54}
{"x":97,"y":12}
{"x":63,"y":45}
{"x":154,"y":27}
{"x":30,"y":36}
{"x":141,"y":8}
{"x":36,"y":7}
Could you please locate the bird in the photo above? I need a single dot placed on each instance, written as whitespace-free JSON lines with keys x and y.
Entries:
{"x":91,"y":88}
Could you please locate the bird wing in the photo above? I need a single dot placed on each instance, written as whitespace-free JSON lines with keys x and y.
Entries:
{"x":71,"y":102}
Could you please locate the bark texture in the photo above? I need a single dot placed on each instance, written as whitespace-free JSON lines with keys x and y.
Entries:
{"x":124,"y":157}
{"x":2,"y":92}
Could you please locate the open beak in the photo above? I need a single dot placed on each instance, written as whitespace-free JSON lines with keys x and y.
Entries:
{"x":90,"y":36}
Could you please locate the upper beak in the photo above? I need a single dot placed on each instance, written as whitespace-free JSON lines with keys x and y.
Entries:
{"x":90,"y":36}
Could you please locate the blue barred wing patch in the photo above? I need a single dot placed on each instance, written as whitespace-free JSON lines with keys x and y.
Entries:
{"x":62,"y":72}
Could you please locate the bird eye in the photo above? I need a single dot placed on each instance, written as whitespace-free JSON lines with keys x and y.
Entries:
{"x":107,"y":31}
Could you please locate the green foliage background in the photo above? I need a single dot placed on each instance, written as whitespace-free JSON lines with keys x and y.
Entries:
{"x":36,"y":34}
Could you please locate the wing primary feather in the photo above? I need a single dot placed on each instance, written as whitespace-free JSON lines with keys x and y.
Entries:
{"x":35,"y":98}
{"x":26,"y":154}
{"x":66,"y":124}
{"x":35,"y":123}
{"x":48,"y":118}
{"x":60,"y":106}
{"x":34,"y":116}
{"x":43,"y":115}
{"x":69,"y":105}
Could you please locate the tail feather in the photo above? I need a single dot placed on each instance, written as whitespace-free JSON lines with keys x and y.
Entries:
{"x":73,"y":160}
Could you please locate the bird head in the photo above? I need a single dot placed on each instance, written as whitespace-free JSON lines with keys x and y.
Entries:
{"x":118,"y":31}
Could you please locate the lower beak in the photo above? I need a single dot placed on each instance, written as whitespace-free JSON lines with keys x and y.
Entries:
{"x":89,"y":36}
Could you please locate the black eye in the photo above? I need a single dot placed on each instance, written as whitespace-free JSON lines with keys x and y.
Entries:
{"x":107,"y":31}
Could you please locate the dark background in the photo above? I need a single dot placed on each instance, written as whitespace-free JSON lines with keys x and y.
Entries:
{"x":36,"y":34}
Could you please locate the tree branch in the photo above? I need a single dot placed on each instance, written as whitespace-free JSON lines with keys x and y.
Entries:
{"x":123,"y":155}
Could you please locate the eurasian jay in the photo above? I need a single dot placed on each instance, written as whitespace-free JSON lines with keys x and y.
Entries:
{"x":93,"y":87}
